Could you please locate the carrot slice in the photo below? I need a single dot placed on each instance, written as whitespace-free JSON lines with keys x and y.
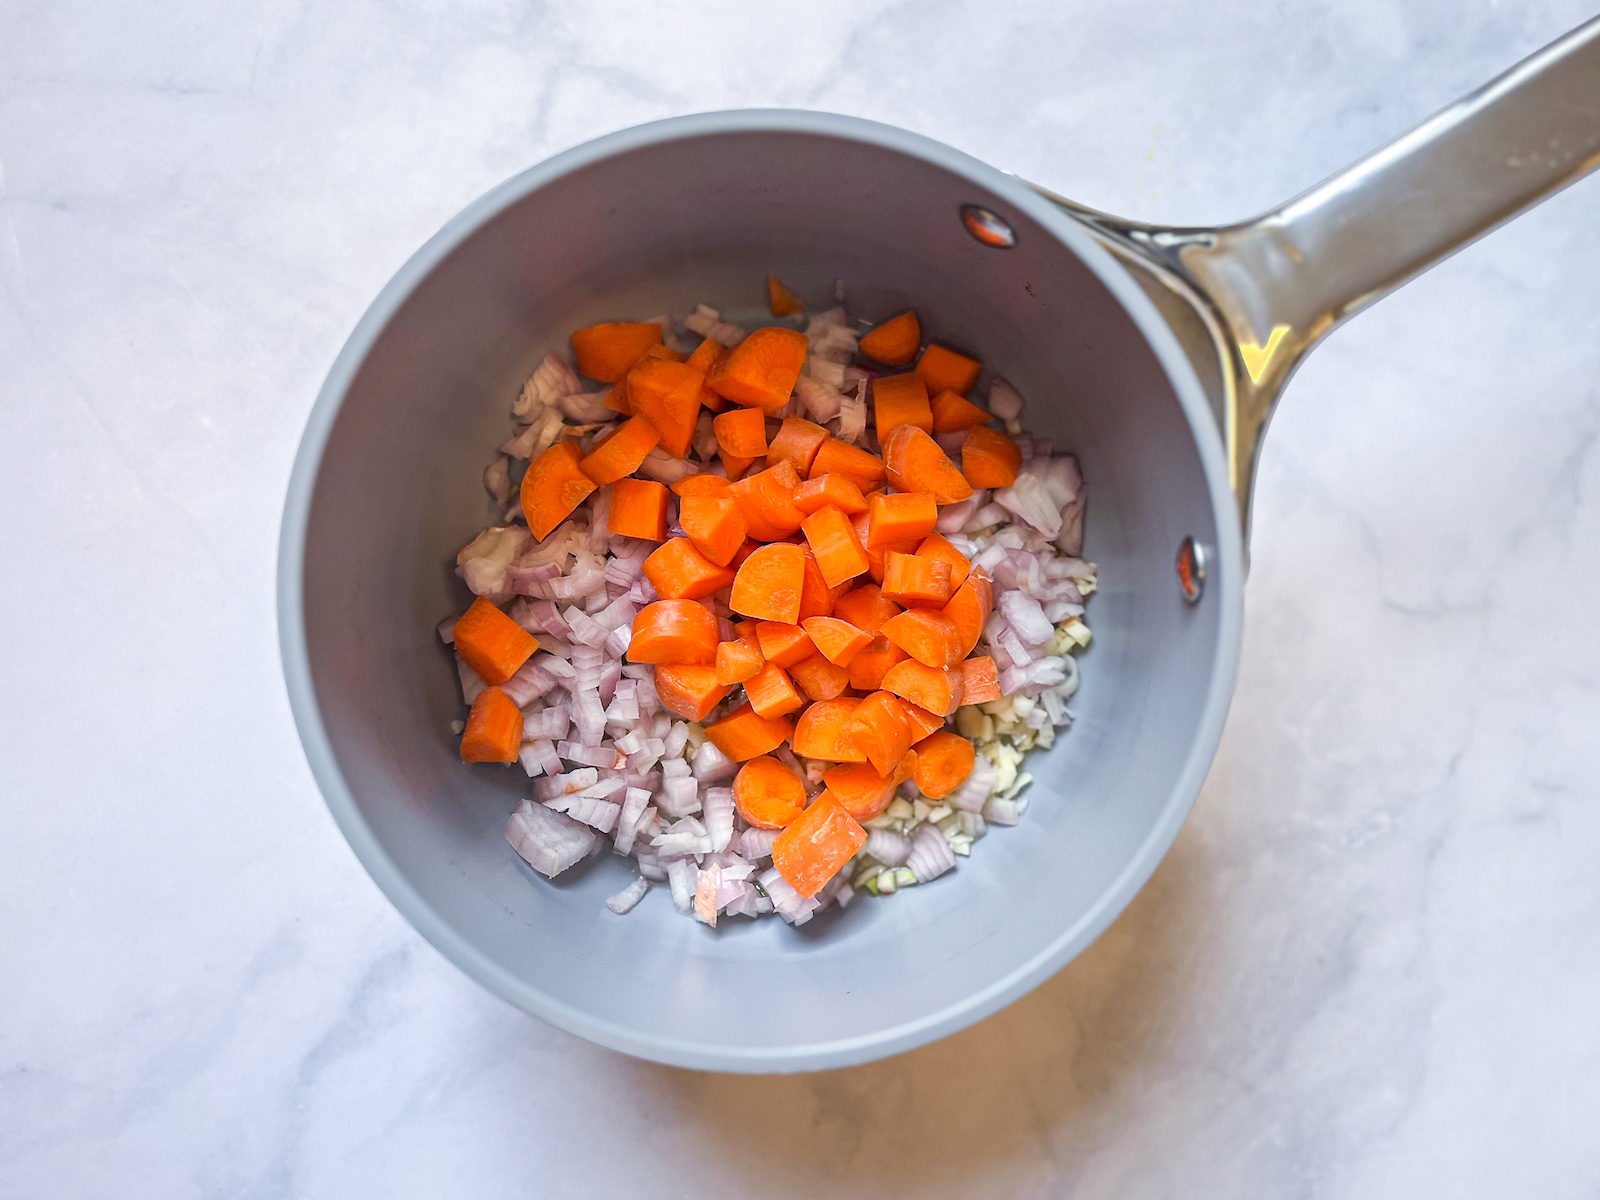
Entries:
{"x":822,"y":839}
{"x":715,"y":526}
{"x":863,"y":792}
{"x":689,"y":690}
{"x":922,"y":721}
{"x":621,"y":453}
{"x":869,"y":666}
{"x":816,"y":597}
{"x":771,"y":693}
{"x":674,"y":631}
{"x":493,"y":644}
{"x":494,"y":729}
{"x":767,"y":501}
{"x":880,"y":730}
{"x":864,"y":470}
{"x":935,"y":689}
{"x":607,"y":352}
{"x":680,"y":572}
{"x":947,"y":371}
{"x":944,"y":760}
{"x":743,"y":734}
{"x":761,"y":370}
{"x":836,"y":640}
{"x":980,"y":682}
{"x":702,"y":483}
{"x":818,"y":678}
{"x":912,"y":579}
{"x":741,"y":432}
{"x":823,"y":731}
{"x":902,"y":517}
{"x":830,"y":491}
{"x":796,"y":443}
{"x":916,"y":464}
{"x":990,"y":459}
{"x":900,"y":400}
{"x":781,"y":300}
{"x":866,"y":608}
{"x":553,"y":486}
{"x":668,"y":395}
{"x":769,"y":584}
{"x":783,"y":643}
{"x":953,"y":413}
{"x":738,"y":661}
{"x":927,"y":635}
{"x":834,"y":543}
{"x":768,"y":794}
{"x":894,"y":342}
{"x":638,"y":509}
{"x":938,"y":547}
{"x":969,"y":608}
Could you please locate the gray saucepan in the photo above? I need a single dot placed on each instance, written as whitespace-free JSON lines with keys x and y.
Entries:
{"x":1155,"y":354}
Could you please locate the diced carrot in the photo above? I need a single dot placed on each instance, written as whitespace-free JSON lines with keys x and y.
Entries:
{"x":738,"y":661}
{"x":663,"y":352}
{"x":767,"y":501}
{"x":927,"y":635}
{"x":875,"y":558}
{"x":830,"y":491}
{"x":690,"y":691}
{"x":937,"y":546}
{"x":553,"y":486}
{"x":703,"y":359}
{"x":818,"y":678}
{"x":935,"y":689}
{"x":816,"y":597}
{"x":678,"y":571}
{"x":769,"y":584}
{"x":922,"y":721}
{"x":767,"y":793}
{"x":902,"y":517}
{"x":741,"y":431}
{"x":869,"y":666}
{"x":855,"y":464}
{"x":834,"y":543}
{"x":743,"y":734}
{"x":913,"y":579}
{"x":674,"y":631}
{"x":863,"y":792}
{"x":494,"y":729}
{"x":715,"y":526}
{"x":894,"y":342}
{"x":493,"y":644}
{"x":819,"y":842}
{"x":606,"y":352}
{"x":836,"y":640}
{"x":866,"y":608}
{"x":638,"y":509}
{"x":761,"y":370}
{"x":734,"y":465}
{"x":980,"y":682}
{"x":668,"y":395}
{"x":944,"y":760}
{"x":617,"y":398}
{"x":771,"y":693}
{"x":783,"y":643}
{"x":620,"y":454}
{"x":796,"y":443}
{"x":880,"y":731}
{"x":900,"y":400}
{"x":702,"y":483}
{"x":953,"y":413}
{"x":947,"y":371}
{"x":781,"y":300}
{"x":745,"y":551}
{"x":990,"y":459}
{"x":969,"y":608}
{"x":916,"y":464}
{"x":823,"y":731}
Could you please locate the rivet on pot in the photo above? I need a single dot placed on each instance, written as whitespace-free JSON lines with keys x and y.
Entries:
{"x":988,"y":227}
{"x":1191,"y":570}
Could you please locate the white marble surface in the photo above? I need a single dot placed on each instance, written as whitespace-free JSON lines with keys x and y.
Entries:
{"x":1369,"y":968}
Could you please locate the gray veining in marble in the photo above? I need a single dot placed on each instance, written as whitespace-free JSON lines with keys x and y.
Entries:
{"x":1370,"y":967}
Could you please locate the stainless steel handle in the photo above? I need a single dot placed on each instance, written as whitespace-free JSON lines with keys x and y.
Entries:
{"x":1269,"y":289}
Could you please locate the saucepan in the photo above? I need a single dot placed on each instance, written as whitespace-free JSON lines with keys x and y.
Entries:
{"x":1156,"y":354}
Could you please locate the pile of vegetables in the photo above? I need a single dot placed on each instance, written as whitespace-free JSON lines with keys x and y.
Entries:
{"x":725,"y":619}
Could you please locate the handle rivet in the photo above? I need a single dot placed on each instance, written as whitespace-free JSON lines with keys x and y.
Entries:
{"x":1191,"y":570}
{"x":988,"y":227}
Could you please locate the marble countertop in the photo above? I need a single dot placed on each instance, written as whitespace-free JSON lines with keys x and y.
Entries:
{"x":1370,"y":966}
